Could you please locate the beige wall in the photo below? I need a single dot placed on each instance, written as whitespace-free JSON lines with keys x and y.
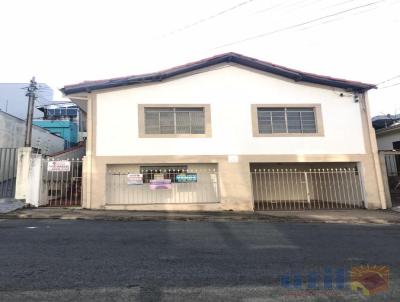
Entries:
{"x":234,"y":179}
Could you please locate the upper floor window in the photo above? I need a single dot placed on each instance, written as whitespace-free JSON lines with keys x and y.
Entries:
{"x":287,"y":120}
{"x":174,"y":120}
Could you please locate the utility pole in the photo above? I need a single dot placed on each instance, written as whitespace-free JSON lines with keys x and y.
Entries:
{"x":31,"y":94}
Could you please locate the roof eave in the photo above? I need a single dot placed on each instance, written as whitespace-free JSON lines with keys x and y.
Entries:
{"x":226,"y":58}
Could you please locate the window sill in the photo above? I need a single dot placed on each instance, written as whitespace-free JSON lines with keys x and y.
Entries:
{"x":288,"y":134}
{"x":206,"y":135}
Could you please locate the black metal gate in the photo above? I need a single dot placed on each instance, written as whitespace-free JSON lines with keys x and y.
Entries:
{"x":62,"y":183}
{"x":392,"y":162}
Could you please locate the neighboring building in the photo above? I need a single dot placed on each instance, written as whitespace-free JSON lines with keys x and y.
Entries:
{"x":385,"y":121}
{"x":12,"y":135}
{"x":66,"y":129}
{"x":64,"y":119}
{"x":13,"y":99}
{"x":389,"y":138}
{"x":228,"y":133}
{"x":387,"y":129}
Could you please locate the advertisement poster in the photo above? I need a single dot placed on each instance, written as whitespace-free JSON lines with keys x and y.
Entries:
{"x":135,"y":179}
{"x":160,"y":184}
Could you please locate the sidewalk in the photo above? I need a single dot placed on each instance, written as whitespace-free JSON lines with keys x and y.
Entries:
{"x":8,"y":205}
{"x":308,"y":216}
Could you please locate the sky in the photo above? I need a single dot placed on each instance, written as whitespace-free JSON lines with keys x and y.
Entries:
{"x":67,"y":41}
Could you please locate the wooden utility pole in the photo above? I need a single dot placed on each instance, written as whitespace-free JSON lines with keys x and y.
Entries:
{"x":31,"y":94}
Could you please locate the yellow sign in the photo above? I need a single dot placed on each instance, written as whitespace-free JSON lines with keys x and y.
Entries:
{"x":369,"y":280}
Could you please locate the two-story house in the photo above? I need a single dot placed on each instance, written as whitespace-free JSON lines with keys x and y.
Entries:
{"x":228,"y":132}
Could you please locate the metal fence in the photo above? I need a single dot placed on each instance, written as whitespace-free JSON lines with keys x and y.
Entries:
{"x":290,"y":189}
{"x":392,"y":162}
{"x":8,"y":171}
{"x":61,"y":182}
{"x":162,"y":186}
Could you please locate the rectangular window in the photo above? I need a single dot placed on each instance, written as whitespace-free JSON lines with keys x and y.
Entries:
{"x":286,"y":120}
{"x":174,"y":120}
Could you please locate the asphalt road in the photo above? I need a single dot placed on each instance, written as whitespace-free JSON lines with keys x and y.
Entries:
{"x":59,"y":260}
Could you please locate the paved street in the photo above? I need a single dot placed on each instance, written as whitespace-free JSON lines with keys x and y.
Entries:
{"x":65,"y":260}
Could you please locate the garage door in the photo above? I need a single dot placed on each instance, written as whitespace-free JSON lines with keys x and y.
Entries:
{"x":306,"y":186}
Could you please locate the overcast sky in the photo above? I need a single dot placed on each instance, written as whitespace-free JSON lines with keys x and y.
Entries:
{"x":67,"y":41}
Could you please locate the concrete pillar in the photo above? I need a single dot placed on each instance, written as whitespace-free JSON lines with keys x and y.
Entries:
{"x":385,"y":179}
{"x":372,"y":186}
{"x":23,"y":166}
{"x":29,"y":177}
{"x":36,"y":195}
{"x":86,"y":181}
{"x":235,"y":185}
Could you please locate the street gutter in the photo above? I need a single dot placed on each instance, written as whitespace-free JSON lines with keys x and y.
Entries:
{"x":382,"y":217}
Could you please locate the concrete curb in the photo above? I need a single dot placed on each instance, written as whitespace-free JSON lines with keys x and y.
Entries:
{"x":342,"y":217}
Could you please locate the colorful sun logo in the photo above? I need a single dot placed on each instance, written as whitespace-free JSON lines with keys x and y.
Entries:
{"x":369,"y":280}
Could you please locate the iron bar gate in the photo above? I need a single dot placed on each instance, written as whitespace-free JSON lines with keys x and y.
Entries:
{"x":174,"y":186}
{"x":290,"y":189}
{"x":62,"y":182}
{"x":8,"y":171}
{"x":392,"y":163}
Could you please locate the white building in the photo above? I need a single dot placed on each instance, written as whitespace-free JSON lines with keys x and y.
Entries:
{"x":228,"y":132}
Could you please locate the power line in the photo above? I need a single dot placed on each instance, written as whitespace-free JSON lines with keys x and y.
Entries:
{"x":209,"y":17}
{"x":296,"y":25}
{"x":390,"y":85}
{"x":388,"y":80}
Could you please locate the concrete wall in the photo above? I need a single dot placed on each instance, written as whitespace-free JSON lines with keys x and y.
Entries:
{"x":230,"y":91}
{"x":12,"y":134}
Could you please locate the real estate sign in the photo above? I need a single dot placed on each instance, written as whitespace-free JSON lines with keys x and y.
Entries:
{"x":134,"y":179}
{"x":186,"y":177}
{"x":59,"y":166}
{"x":160,"y":184}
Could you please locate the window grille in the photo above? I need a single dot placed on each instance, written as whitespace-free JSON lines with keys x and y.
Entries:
{"x":286,"y":120}
{"x":174,"y":120}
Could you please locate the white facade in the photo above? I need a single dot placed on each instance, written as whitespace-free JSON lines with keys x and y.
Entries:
{"x":230,"y":90}
{"x":12,"y":135}
{"x":230,"y":95}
